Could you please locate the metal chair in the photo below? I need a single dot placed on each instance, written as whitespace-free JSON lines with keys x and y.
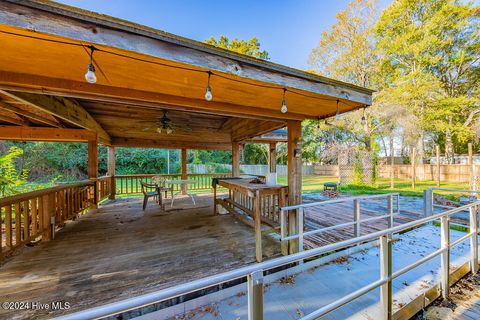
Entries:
{"x":146,"y":187}
{"x":160,"y":181}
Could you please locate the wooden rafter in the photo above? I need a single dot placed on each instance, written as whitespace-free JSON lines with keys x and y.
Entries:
{"x":66,"y":109}
{"x":246,"y":129}
{"x":11,"y":120}
{"x":165,"y":144}
{"x":29,"y":115}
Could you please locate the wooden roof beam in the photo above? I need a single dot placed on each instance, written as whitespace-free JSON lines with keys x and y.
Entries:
{"x":46,"y":134}
{"x":252,"y":129}
{"x":63,"y":108}
{"x":166,"y":144}
{"x":10,"y":120}
{"x":28,"y":114}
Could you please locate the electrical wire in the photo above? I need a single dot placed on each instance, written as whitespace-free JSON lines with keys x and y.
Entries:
{"x":172,"y":66}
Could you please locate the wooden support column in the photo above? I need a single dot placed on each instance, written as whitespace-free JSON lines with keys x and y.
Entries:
{"x":294,"y":159}
{"x":93,"y":167}
{"x":235,"y":159}
{"x":272,"y":157}
{"x":184,"y":169}
{"x":111,"y":171}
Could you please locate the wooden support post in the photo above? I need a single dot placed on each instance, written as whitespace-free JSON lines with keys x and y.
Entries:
{"x":272,"y":158}
{"x":255,"y":295}
{"x":386,"y":292}
{"x":437,"y":151}
{"x":474,"y":239}
{"x":414,"y":174}
{"x":445,"y":257}
{"x":258,"y":226}
{"x":294,"y":160}
{"x":184,"y":170}
{"x":111,"y":171}
{"x":93,"y":168}
{"x":235,"y":159}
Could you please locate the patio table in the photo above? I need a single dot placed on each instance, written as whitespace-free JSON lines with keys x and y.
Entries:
{"x":180,"y":183}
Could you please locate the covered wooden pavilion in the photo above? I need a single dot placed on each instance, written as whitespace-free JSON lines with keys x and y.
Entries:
{"x":141,"y":73}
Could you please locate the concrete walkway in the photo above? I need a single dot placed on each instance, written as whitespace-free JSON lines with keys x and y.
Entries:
{"x":297,"y":295}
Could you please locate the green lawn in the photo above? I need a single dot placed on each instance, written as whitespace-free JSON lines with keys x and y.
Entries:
{"x":312,"y":184}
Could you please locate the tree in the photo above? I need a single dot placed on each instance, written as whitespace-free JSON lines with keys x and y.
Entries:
{"x":430,"y":61}
{"x":249,"y":48}
{"x":10,"y":177}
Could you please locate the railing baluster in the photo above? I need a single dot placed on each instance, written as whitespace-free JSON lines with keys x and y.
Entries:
{"x":390,"y":212}
{"x":474,"y":239}
{"x":255,"y":295}
{"x":386,"y":292}
{"x":445,"y":257}
{"x":8,"y":226}
{"x":300,"y":229}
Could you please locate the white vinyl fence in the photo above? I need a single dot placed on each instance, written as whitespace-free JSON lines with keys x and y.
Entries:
{"x":259,"y":169}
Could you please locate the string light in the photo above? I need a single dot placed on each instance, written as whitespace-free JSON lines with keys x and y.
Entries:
{"x":337,"y":115}
{"x":284,"y":102}
{"x":90,"y":75}
{"x":208,"y":92}
{"x":364,"y":119}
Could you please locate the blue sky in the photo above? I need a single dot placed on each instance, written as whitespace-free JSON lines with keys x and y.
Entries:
{"x":287,"y":29}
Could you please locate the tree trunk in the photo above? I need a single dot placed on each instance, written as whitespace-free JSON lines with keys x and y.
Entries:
{"x":420,"y":148}
{"x":449,"y":152}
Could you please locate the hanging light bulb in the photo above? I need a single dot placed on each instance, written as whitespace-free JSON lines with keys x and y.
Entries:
{"x":208,"y":92}
{"x":159,"y":130}
{"x":364,"y":119}
{"x":337,"y":115}
{"x":90,"y":75}
{"x":169,"y":130}
{"x":284,"y":102}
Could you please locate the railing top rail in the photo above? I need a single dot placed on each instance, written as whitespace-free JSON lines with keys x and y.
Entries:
{"x":37,"y":193}
{"x":318,"y":203}
{"x":455,"y":190}
{"x":150,"y":298}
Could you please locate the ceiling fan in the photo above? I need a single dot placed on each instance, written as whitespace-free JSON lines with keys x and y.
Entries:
{"x":164,"y":125}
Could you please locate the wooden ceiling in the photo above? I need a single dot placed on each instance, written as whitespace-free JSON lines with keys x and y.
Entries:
{"x":141,"y":72}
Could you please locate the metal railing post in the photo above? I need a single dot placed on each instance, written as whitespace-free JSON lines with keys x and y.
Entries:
{"x":390,"y":211}
{"x":300,"y":229}
{"x":428,"y":202}
{"x":356,"y":217}
{"x":474,"y":239}
{"x":255,"y":295}
{"x":445,"y":257}
{"x":386,"y":292}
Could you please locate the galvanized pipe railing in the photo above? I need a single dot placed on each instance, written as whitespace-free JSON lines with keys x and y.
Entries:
{"x":357,"y":219}
{"x":254,"y":273}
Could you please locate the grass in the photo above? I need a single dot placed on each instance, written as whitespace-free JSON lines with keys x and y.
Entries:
{"x":314,"y":184}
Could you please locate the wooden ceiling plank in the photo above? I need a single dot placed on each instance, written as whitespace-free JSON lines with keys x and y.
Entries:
{"x":29,"y":114}
{"x":255,"y":129}
{"x":46,"y":134}
{"x":66,"y":109}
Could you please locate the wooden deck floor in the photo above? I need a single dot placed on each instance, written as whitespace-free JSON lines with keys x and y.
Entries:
{"x":334,"y":214}
{"x":120,"y":251}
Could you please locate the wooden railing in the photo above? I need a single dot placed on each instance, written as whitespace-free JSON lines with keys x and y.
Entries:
{"x":104,"y":187}
{"x":27,"y":216}
{"x":130,"y":184}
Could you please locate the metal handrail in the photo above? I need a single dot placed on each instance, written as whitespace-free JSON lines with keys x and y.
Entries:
{"x":386,"y":279}
{"x":356,"y":216}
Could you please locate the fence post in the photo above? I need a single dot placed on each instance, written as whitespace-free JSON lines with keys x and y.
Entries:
{"x":427,"y":202}
{"x":445,"y":258}
{"x":437,"y":151}
{"x":356,"y":217}
{"x":386,"y":292}
{"x":474,"y":239}
{"x":255,"y":295}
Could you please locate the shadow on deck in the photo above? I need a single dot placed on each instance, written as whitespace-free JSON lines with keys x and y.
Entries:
{"x":119,"y":251}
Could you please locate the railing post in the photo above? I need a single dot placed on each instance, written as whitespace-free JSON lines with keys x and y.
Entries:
{"x":386,"y":292}
{"x":445,"y":258}
{"x":283,"y":232}
{"x":474,"y":239}
{"x":300,"y":229}
{"x":428,"y":202}
{"x":356,"y":217}
{"x":255,"y":295}
{"x":390,"y":210}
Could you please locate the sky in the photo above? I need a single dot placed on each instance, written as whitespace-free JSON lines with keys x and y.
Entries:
{"x":287,"y":29}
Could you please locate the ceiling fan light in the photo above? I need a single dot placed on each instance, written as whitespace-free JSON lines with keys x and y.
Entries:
{"x":159,"y":130}
{"x":169,"y":130}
